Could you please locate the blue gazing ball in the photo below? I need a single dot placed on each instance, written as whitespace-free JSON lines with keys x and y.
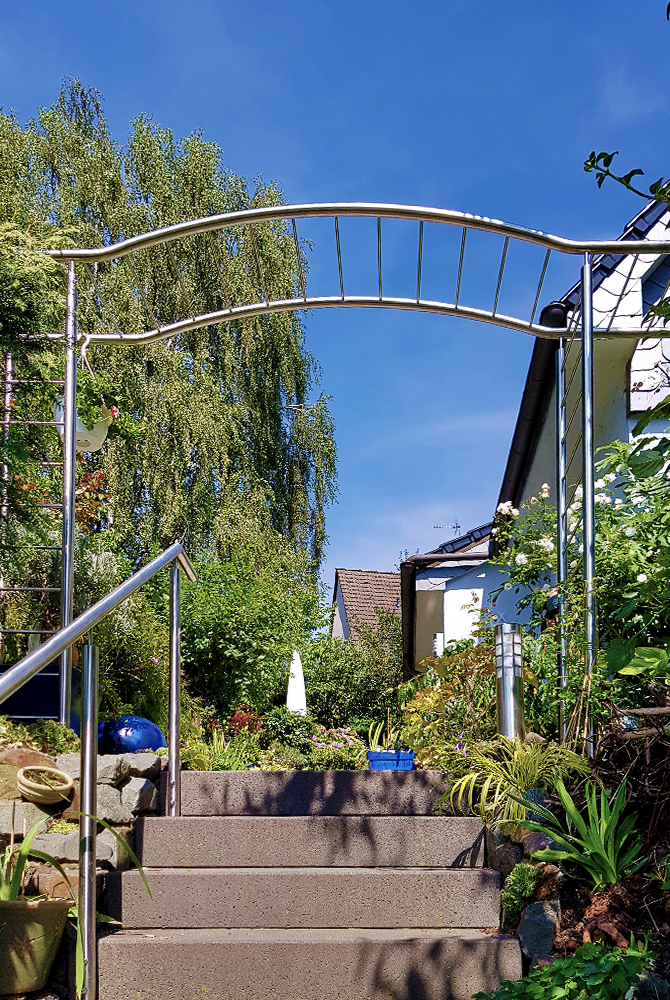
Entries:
{"x":128,"y":734}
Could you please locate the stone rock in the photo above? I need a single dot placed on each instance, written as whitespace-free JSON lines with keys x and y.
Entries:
{"x":142,"y":765}
{"x":23,"y":757}
{"x":533,"y":842}
{"x":111,"y":808}
{"x":117,"y":854}
{"x":539,"y":923}
{"x":65,"y":846}
{"x":140,"y":795}
{"x":25,"y":813}
{"x":112,"y":769}
{"x":71,"y":814}
{"x":502,"y":854}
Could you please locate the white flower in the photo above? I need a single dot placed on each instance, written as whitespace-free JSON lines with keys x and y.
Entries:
{"x":618,"y":503}
{"x":546,"y":543}
{"x":579,"y":493}
{"x":494,"y":531}
{"x":504,"y":508}
{"x":629,"y":531}
{"x":545,"y":488}
{"x":581,"y":549}
{"x":641,"y":577}
{"x":610,"y":477}
{"x":521,"y":559}
{"x":599,"y":484}
{"x":602,"y":498}
{"x":514,"y":512}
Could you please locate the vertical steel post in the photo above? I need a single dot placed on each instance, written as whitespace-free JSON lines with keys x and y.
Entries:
{"x":87,"y":824}
{"x":6,"y":423}
{"x":509,"y":682}
{"x":562,"y":526}
{"x":174,"y":757}
{"x":588,"y":476}
{"x":69,"y":455}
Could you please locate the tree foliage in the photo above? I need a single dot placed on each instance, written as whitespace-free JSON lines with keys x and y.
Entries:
{"x":208,"y":409}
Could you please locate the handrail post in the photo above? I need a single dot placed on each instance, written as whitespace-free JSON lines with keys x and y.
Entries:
{"x":69,"y":455}
{"x":87,"y":822}
{"x":588,"y":478}
{"x":174,"y":761}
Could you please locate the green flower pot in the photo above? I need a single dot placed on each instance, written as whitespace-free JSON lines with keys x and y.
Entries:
{"x":30,"y":933}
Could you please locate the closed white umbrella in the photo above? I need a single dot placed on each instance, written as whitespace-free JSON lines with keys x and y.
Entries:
{"x":296,"y":700}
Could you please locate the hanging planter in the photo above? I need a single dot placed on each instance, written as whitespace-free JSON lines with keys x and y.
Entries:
{"x":87,"y":440}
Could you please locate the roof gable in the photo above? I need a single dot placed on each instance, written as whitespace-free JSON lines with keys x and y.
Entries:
{"x":363,"y":591}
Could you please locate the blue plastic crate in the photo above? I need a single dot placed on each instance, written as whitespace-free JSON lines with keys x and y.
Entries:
{"x":399,"y":760}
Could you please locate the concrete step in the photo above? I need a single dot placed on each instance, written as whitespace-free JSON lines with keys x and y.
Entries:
{"x":306,"y":897}
{"x":310,"y":841}
{"x":308,"y":793}
{"x":312,"y":964}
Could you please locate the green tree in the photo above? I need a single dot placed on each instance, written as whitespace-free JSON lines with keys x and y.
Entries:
{"x":213,"y":411}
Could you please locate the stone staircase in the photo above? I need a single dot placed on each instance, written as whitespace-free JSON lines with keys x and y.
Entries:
{"x":336,"y":885}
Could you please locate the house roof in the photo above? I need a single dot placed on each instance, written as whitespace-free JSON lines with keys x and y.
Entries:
{"x":541,"y":373}
{"x":364,"y":590}
{"x":470,"y":540}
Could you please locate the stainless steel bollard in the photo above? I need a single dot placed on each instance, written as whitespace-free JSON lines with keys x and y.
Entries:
{"x":509,"y":682}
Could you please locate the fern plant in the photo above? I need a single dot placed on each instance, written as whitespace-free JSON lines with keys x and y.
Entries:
{"x":502,"y":771}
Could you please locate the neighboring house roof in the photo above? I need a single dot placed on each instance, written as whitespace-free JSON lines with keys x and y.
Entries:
{"x":541,"y":373}
{"x":470,"y":540}
{"x":364,"y":590}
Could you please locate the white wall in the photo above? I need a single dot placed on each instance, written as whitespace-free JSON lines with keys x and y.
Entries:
{"x":480,"y":581}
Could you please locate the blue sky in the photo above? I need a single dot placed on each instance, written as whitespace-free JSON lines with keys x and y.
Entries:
{"x":486,"y":107}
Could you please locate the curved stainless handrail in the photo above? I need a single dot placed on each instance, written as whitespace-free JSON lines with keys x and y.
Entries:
{"x":16,"y":676}
{"x":415,"y":213}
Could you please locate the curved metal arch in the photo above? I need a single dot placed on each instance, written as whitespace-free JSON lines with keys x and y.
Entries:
{"x":411,"y":213}
{"x":325,"y":302}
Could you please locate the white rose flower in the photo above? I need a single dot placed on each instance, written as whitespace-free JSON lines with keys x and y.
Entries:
{"x":602,"y":498}
{"x":521,"y":559}
{"x":629,"y":531}
{"x":610,"y":477}
{"x":546,"y":543}
{"x":579,"y":493}
{"x":514,"y":512}
{"x":618,"y":503}
{"x":599,"y":484}
{"x":641,"y":577}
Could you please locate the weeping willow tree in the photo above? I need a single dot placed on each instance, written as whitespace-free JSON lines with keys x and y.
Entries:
{"x":219,"y":436}
{"x":212,"y":415}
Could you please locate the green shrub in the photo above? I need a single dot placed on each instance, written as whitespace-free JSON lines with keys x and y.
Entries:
{"x":282,"y":758}
{"x":353,"y":684}
{"x":336,"y":750}
{"x":45,"y":735}
{"x":288,"y":729}
{"x":592,"y":973}
{"x":518,"y":892}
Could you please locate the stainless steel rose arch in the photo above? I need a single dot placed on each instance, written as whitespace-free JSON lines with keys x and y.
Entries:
{"x":245,"y":224}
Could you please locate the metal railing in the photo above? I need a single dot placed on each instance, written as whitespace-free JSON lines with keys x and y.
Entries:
{"x":21,"y":672}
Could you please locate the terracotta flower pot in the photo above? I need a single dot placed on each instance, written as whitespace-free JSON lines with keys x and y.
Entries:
{"x":36,"y":791}
{"x":30,"y":934}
